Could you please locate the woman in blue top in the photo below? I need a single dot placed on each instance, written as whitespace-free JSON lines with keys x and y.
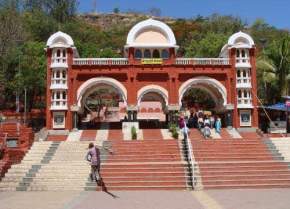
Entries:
{"x":218,"y":125}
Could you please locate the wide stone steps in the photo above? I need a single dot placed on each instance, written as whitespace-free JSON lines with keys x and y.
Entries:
{"x":152,"y":164}
{"x":236,"y":163}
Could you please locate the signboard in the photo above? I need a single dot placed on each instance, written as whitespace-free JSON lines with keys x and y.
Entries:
{"x":154,"y":61}
{"x":288,"y":103}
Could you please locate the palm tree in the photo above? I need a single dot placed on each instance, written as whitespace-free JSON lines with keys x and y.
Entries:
{"x":273,"y":69}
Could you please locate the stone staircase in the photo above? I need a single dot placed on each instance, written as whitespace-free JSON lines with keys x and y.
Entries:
{"x":134,"y":165}
{"x":238,"y":163}
{"x":145,"y":165}
{"x":15,"y":176}
{"x":282,"y":146}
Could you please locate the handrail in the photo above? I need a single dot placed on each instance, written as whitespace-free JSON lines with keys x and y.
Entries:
{"x":202,"y":61}
{"x":100,"y":61}
{"x":190,"y":159}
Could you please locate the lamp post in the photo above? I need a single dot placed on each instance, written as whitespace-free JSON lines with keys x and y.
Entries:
{"x":25,"y":101}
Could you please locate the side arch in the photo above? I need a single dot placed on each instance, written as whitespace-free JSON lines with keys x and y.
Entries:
{"x":152,"y":88}
{"x":101,"y":80}
{"x":205,"y":81}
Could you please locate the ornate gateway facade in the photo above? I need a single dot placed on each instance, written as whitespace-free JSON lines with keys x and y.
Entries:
{"x":82,"y":90}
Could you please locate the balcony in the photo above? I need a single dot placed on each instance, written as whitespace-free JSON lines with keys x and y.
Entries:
{"x":59,"y":62}
{"x":244,"y":83}
{"x":58,"y":105}
{"x":243,"y":62}
{"x":202,"y":61}
{"x":58,"y":84}
{"x":100,"y":61}
{"x":245,"y":103}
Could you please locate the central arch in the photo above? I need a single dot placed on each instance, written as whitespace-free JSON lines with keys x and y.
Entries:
{"x":152,"y":89}
{"x":206,"y":84}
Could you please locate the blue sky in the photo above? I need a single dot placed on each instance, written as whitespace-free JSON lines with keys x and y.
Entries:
{"x":274,"y":12}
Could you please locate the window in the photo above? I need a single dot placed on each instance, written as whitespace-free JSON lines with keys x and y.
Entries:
{"x":63,"y":74}
{"x":239,"y":73}
{"x":64,"y":53}
{"x":165,"y":54}
{"x":240,"y":94}
{"x":58,"y":120}
{"x":156,"y":53}
{"x":147,"y":53}
{"x":245,"y":118}
{"x":138,"y":54}
{"x":12,"y":142}
{"x":243,"y":53}
{"x":244,"y":73}
{"x":238,"y":53}
{"x":58,"y":53}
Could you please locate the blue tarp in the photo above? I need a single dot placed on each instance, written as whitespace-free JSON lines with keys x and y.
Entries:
{"x":279,"y":106}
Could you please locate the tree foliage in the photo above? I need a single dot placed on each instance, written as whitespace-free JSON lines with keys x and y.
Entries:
{"x":27,"y":24}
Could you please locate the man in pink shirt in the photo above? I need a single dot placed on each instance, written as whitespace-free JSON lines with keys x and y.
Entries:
{"x":93,"y":156}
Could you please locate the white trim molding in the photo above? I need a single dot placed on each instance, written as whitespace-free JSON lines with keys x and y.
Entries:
{"x":151,"y":24}
{"x":60,"y":40}
{"x":241,"y":40}
{"x":101,"y":80}
{"x":203,"y":80}
{"x":152,"y":88}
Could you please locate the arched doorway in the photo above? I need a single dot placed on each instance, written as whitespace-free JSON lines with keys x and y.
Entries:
{"x":152,"y":101}
{"x":101,"y":101}
{"x":203,"y":94}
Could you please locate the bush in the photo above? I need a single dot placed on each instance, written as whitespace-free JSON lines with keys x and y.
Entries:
{"x":172,"y":127}
{"x":175,"y":134}
{"x":133,"y":133}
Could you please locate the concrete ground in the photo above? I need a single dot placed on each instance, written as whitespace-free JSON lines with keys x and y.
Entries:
{"x":208,"y":199}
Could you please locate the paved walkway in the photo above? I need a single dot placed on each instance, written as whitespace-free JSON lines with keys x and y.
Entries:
{"x":208,"y":199}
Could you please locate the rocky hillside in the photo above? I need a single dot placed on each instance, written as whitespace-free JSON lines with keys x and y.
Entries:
{"x":107,"y":20}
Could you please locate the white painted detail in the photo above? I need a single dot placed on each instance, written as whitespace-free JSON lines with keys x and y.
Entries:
{"x":166,"y":134}
{"x":241,"y":40}
{"x":203,"y":80}
{"x":60,"y":40}
{"x":152,"y":88}
{"x":74,"y":135}
{"x":234,"y":133}
{"x":102,"y":135}
{"x":101,"y":80}
{"x":151,"y":28}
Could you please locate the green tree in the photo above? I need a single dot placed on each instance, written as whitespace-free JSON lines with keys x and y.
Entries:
{"x":209,"y":46}
{"x":274,"y":69}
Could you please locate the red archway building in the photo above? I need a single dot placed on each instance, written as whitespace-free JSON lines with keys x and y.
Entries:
{"x":150,"y":67}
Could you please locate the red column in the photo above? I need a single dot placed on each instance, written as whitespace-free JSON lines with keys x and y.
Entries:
{"x":255,"y":122}
{"x":69,"y":115}
{"x":236,"y":121}
{"x":131,"y":88}
{"x":173,"y":84}
{"x":48,"y":92}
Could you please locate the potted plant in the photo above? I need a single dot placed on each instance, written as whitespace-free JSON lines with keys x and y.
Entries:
{"x":133,"y":133}
{"x":175,"y":134}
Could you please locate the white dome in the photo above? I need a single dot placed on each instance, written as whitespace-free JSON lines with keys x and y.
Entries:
{"x":151,"y":33}
{"x":241,"y":40}
{"x":60,"y":39}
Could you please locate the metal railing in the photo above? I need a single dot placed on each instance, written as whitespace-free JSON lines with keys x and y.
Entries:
{"x":100,"y":61}
{"x":202,"y":61}
{"x":191,"y":160}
